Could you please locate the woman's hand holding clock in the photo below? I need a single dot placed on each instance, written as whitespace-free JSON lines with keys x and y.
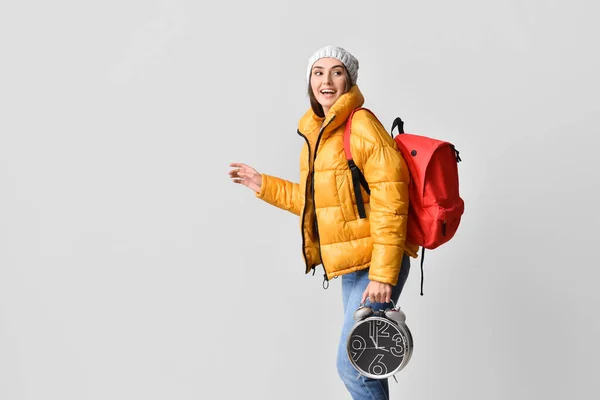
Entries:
{"x":377,"y":292}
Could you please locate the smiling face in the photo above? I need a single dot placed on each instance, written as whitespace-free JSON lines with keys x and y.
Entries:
{"x":328,"y":81}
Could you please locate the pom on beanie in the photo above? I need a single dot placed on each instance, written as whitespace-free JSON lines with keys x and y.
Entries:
{"x":349,"y":61}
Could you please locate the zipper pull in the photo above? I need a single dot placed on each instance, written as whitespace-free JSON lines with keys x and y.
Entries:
{"x":325,"y":282}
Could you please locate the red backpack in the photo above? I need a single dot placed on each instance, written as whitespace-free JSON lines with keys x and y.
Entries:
{"x":435,"y":205}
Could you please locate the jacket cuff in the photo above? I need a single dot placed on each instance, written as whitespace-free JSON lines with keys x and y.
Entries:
{"x":383,"y":279}
{"x":263,"y":187}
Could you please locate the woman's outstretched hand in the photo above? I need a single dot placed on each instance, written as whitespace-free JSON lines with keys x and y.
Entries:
{"x":246,"y":175}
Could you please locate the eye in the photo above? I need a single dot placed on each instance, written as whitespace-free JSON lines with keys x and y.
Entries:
{"x":317,"y":73}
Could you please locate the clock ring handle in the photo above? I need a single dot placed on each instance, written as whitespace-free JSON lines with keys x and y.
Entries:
{"x":365,"y":302}
{"x":394,"y":306}
{"x":367,"y":299}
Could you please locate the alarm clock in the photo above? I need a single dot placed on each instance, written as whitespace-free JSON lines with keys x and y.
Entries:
{"x":379,"y":344}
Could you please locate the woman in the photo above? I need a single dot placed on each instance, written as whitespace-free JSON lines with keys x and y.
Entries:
{"x":370,"y":254}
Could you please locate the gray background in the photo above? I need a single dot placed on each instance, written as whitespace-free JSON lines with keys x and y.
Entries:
{"x":132,"y":268}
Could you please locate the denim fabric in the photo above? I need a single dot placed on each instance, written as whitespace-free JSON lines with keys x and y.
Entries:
{"x":353,"y":287}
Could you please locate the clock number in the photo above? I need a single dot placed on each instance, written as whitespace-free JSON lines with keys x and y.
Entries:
{"x":382,"y":328}
{"x":358,"y":345}
{"x":398,"y":349}
{"x":373,"y":333}
{"x":378,"y":329}
{"x":377,"y":367}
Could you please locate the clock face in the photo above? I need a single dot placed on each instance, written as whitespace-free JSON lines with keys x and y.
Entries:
{"x":378,"y":348}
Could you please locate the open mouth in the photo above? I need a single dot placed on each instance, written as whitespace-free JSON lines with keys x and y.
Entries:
{"x":327,"y":92}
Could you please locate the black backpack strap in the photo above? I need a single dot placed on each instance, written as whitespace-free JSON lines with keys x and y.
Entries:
{"x":358,"y":179}
{"x":397,"y":123}
{"x":422,"y":259}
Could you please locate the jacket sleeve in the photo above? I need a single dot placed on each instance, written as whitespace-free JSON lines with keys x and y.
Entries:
{"x":387,"y":174}
{"x":281,"y":193}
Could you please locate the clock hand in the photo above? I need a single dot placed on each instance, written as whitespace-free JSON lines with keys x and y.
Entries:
{"x":377,"y":348}
{"x":373,"y":340}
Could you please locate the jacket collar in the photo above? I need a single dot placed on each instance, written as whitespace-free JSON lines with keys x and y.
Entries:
{"x":310,"y":123}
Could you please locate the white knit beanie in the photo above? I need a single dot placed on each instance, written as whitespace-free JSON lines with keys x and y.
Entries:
{"x":349,"y":61}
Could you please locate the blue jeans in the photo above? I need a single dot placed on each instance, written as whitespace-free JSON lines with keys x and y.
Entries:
{"x":353,"y":287}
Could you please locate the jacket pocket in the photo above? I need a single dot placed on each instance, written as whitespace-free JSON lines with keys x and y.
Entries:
{"x":345,"y":192}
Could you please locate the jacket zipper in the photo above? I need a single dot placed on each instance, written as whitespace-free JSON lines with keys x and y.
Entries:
{"x":304,"y":208}
{"x":316,"y":226}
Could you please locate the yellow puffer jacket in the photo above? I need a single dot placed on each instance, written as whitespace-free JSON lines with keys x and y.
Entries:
{"x":332,"y":232}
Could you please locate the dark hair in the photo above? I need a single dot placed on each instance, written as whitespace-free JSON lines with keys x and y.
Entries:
{"x":314,"y":104}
